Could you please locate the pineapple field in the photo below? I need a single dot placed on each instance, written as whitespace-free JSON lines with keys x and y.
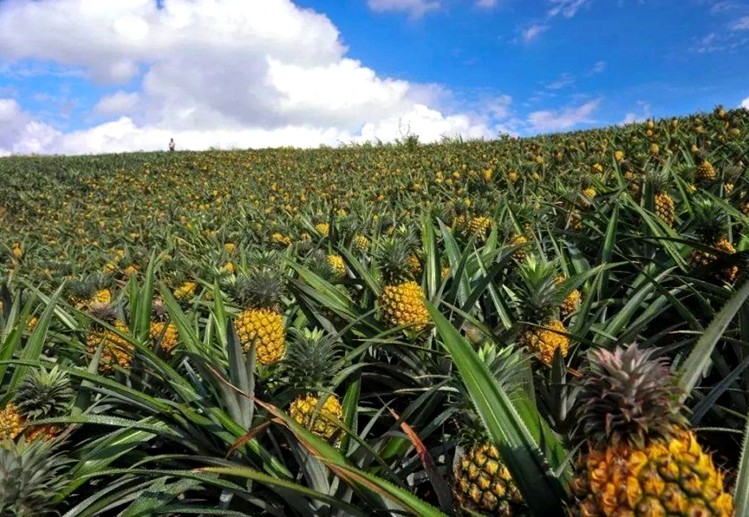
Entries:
{"x":546,"y":326}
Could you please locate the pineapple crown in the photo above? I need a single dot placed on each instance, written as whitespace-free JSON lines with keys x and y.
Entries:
{"x":312,"y":358}
{"x":628,"y":396}
{"x":260,"y":288}
{"x":506,"y":367}
{"x":539,"y":294}
{"x":709,"y":219}
{"x":44,"y":394}
{"x":34,"y":474}
{"x":103,"y":312}
{"x":394,"y":260}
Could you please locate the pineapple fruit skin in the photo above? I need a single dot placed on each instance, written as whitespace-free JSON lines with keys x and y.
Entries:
{"x":265,"y":328}
{"x":664,"y":207}
{"x":403,"y":305}
{"x":11,"y":422}
{"x":544,"y":342}
{"x":116,"y":350}
{"x":337,"y":264}
{"x":482,"y":482}
{"x":166,"y":332}
{"x":664,"y":477}
{"x":700,"y":258}
{"x":323,"y":423}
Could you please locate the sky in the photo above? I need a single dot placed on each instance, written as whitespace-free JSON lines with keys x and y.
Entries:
{"x":96,"y":76}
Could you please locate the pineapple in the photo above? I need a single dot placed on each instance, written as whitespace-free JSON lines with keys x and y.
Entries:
{"x":705,"y":172}
{"x":479,"y":226}
{"x":664,"y":207}
{"x":521,"y":241}
{"x":481,"y":481}
{"x":539,"y":297}
{"x":260,"y":323}
{"x":641,"y":457}
{"x":161,"y":331}
{"x":571,"y":303}
{"x":323,"y":229}
{"x":337,"y":265}
{"x":310,"y":364}
{"x":115,"y":349}
{"x":402,"y":299}
{"x":360,"y":243}
{"x":43,"y":394}
{"x":185,"y":291}
{"x":11,"y":422}
{"x":710,"y":223}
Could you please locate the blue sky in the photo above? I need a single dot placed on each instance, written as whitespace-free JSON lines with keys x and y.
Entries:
{"x":79,"y":76}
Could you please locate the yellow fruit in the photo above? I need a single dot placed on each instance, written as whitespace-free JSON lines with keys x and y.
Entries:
{"x":619,"y":156}
{"x":265,"y":329}
{"x":664,"y":207}
{"x":482,"y":482}
{"x":664,"y":477}
{"x":479,"y":225}
{"x":543,"y":342}
{"x":323,"y":229}
{"x":522,"y":241}
{"x":280,"y":238}
{"x":165,"y":334}
{"x":414,"y":265}
{"x":16,"y":250}
{"x":570,"y":304}
{"x":597,"y":168}
{"x":705,"y":172}
{"x":115,"y":350}
{"x":337,"y":264}
{"x":360,"y":243}
{"x":654,"y":149}
{"x":728,"y":187}
{"x":700,"y":258}
{"x":230,"y":247}
{"x":185,"y":291}
{"x":11,"y":422}
{"x":403,"y":305}
{"x":322,"y":422}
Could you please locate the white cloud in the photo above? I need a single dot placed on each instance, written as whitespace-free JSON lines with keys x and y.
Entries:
{"x":745,"y":103}
{"x":414,"y":8}
{"x":742,"y":24}
{"x":632,"y":117}
{"x":534,"y":31}
{"x":566,"y":79}
{"x":560,"y":120}
{"x":599,"y":67}
{"x":117,"y":104}
{"x":232,"y":73}
{"x":567,"y":8}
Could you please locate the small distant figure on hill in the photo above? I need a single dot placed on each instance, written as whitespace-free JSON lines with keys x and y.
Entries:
{"x":171,"y":144}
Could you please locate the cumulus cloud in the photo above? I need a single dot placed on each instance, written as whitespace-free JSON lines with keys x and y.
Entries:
{"x":227,"y":73}
{"x":745,"y":104}
{"x":414,"y":8}
{"x":632,"y":116}
{"x":560,"y":120}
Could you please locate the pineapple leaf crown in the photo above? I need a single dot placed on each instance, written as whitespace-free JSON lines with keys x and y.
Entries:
{"x":34,"y":474}
{"x":260,"y":288}
{"x":104,"y":312}
{"x":393,"y":257}
{"x":317,"y":262}
{"x":539,"y":293}
{"x":506,"y":365}
{"x":312,"y":358}
{"x":627,"y":395}
{"x":44,"y":394}
{"x":709,"y":219}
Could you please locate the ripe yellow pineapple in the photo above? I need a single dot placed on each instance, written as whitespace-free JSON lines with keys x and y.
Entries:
{"x":401,"y":299}
{"x":310,"y":365}
{"x":260,"y":323}
{"x":710,"y":224}
{"x":705,"y":172}
{"x":641,"y":457}
{"x":337,"y":265}
{"x":11,"y":422}
{"x":360,"y":243}
{"x":161,"y":331}
{"x":522,"y":241}
{"x":323,"y":229}
{"x":539,"y":298}
{"x":479,"y":226}
{"x":483,"y":483}
{"x":185,"y":291}
{"x":116,"y":350}
{"x":571,"y":302}
{"x":321,"y":421}
{"x":664,"y":207}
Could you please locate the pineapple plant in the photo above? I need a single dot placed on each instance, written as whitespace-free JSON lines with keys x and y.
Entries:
{"x":260,"y":323}
{"x":311,"y":363}
{"x":641,"y":458}
{"x":162,"y":332}
{"x":116,"y":350}
{"x":43,"y":394}
{"x":539,"y":296}
{"x":401,"y":299}
{"x":481,"y":482}
{"x":709,"y":226}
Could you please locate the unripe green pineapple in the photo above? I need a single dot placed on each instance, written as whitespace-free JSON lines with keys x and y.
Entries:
{"x":641,"y":458}
{"x":260,"y":323}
